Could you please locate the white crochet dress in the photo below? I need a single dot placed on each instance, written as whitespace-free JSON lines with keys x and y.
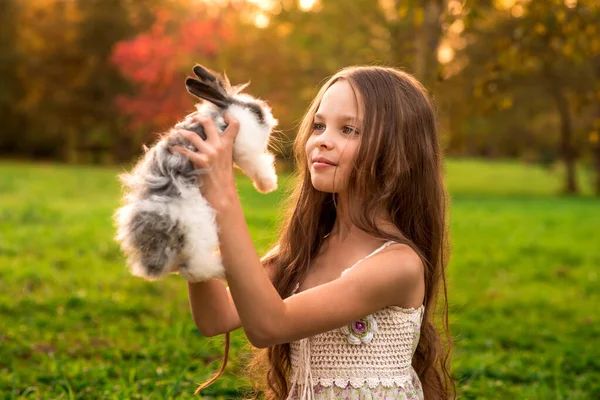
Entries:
{"x":367,"y":359}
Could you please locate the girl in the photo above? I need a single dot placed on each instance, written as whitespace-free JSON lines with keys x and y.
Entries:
{"x":343,"y":304}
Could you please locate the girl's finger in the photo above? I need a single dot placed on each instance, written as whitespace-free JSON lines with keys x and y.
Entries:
{"x":210,"y":129}
{"x":188,"y":118}
{"x":198,"y":159}
{"x":233,"y":126}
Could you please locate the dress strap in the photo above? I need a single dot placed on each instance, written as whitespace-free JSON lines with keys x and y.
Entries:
{"x":386,"y":244}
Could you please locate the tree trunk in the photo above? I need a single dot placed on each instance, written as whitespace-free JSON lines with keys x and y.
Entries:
{"x":567,"y":149}
{"x":71,"y":149}
{"x":427,"y":42}
{"x":402,"y":37}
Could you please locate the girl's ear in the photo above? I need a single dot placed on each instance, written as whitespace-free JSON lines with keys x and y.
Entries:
{"x":208,"y":87}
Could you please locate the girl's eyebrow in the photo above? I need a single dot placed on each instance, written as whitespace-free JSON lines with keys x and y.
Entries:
{"x":344,"y":117}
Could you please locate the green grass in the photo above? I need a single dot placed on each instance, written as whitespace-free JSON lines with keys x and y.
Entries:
{"x":523,"y":286}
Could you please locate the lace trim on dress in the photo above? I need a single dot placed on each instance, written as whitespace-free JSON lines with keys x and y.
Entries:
{"x":371,"y":382}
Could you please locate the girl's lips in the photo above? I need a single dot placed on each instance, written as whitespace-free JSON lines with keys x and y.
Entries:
{"x":319,"y":165}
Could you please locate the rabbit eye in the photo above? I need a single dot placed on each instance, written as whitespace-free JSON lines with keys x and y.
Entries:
{"x":257,"y":111}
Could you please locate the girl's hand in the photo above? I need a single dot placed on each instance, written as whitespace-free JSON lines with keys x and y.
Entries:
{"x":215,"y":155}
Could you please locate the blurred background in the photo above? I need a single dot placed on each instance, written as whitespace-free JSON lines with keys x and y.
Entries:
{"x":85,"y":83}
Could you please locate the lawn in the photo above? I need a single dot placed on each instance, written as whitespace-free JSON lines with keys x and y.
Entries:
{"x":523,"y":288}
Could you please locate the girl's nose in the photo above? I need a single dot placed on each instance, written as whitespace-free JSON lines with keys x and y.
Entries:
{"x":323,"y":145}
{"x":323,"y":142}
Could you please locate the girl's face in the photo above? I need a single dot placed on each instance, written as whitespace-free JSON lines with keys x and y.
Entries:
{"x":335,"y":137}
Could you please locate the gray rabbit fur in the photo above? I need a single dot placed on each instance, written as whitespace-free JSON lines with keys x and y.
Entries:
{"x":164,"y":224}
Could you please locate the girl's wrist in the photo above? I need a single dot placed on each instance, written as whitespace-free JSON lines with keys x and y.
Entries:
{"x":222,"y":198}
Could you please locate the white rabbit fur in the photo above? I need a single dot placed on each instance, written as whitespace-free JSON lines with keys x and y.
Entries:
{"x":165,"y":225}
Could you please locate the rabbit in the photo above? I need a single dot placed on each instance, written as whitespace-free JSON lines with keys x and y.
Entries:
{"x":165,"y":225}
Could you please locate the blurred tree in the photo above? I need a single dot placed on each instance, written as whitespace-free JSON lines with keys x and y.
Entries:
{"x":64,"y":78}
{"x":544,"y":46}
{"x":594,"y":140}
{"x":11,"y":92}
{"x":157,"y":62}
{"x":428,"y":36}
{"x":594,"y":132}
{"x":47,"y":35}
{"x":104,"y":23}
{"x":415,"y":31}
{"x":10,"y":89}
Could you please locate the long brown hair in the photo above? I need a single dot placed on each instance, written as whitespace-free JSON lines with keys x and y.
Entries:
{"x":397,"y":171}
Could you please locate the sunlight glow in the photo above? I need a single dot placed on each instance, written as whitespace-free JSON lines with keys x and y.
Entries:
{"x":445,"y":54}
{"x":455,"y":7}
{"x":571,"y":3}
{"x":505,"y":4}
{"x":266,"y":5}
{"x":517,"y":11}
{"x":307,"y":5}
{"x":218,"y":3}
{"x":457,"y":27}
{"x":261,"y":20}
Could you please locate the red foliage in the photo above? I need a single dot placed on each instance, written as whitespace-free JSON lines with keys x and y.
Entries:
{"x":158,"y":62}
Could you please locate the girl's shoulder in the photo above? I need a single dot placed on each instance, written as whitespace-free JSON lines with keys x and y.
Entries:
{"x":398,"y":272}
{"x":401,"y":250}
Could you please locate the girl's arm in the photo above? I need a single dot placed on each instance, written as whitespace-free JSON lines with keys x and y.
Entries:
{"x":212,"y":307}
{"x":393,"y":276}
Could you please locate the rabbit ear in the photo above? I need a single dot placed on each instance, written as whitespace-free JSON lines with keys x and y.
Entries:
{"x":206,"y":92}
{"x":206,"y":75}
{"x":208,"y":86}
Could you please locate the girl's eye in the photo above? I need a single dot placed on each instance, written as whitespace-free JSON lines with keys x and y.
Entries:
{"x":349,"y":130}
{"x":317,"y":126}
